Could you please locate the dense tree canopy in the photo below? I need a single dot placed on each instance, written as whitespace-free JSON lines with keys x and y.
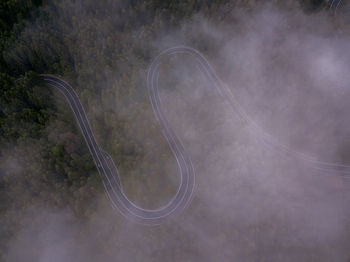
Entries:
{"x":102,"y":48}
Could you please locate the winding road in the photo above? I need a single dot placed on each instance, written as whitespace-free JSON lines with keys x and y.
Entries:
{"x":334,"y":4}
{"x":109,"y":172}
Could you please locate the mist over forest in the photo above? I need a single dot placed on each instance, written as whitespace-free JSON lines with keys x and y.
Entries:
{"x":287,"y":65}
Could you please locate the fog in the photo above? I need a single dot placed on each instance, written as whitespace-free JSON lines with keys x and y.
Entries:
{"x":288,"y":71}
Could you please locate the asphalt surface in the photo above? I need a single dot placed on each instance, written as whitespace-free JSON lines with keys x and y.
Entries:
{"x":334,"y":4}
{"x":109,"y":172}
{"x":324,"y":167}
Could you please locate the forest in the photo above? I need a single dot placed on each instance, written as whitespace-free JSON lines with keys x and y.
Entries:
{"x":103,"y":49}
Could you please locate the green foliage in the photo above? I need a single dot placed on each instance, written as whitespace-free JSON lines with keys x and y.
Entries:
{"x":313,"y":5}
{"x":14,"y":11}
{"x":102,"y":48}
{"x":23,"y":107}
